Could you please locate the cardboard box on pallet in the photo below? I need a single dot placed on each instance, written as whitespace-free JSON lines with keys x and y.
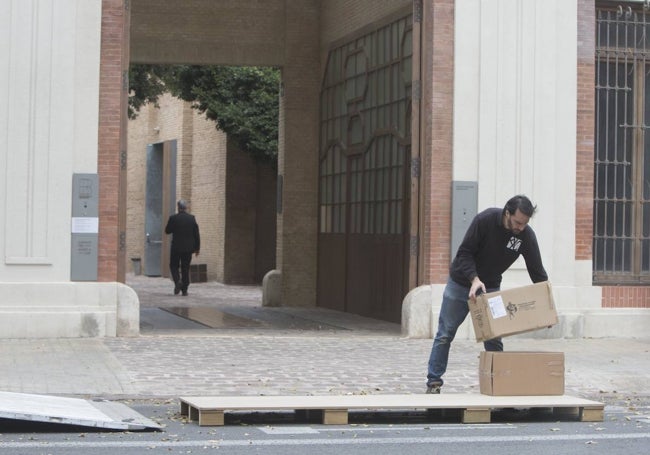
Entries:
{"x":518,"y":310}
{"x":521,"y":373}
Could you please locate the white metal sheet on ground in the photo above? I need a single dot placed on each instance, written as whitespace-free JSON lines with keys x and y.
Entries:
{"x":72,"y":411}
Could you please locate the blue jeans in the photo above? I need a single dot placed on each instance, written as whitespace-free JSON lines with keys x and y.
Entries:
{"x":453,"y":312}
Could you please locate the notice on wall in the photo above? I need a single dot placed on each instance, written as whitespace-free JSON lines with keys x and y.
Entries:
{"x":85,"y":225}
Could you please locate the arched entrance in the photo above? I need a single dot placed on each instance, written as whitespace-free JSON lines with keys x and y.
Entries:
{"x":378,"y":184}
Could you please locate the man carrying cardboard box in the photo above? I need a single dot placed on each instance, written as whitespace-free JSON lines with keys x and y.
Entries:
{"x":494,"y":240}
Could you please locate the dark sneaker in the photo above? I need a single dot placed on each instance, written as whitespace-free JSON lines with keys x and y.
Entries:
{"x":184,"y":293}
{"x":434,"y":388}
{"x":177,"y":289}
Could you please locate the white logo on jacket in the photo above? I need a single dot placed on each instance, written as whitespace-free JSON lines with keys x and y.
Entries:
{"x":513,"y":244}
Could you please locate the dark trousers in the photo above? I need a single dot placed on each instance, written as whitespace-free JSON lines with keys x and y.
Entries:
{"x":182,"y":259}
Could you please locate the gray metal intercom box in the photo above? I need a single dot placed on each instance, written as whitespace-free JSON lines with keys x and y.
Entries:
{"x":464,"y":207}
{"x":84,"y":227}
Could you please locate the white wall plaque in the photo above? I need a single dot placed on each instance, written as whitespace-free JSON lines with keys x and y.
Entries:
{"x":85,"y":225}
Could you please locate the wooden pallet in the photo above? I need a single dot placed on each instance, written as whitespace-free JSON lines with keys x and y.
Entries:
{"x":334,"y":409}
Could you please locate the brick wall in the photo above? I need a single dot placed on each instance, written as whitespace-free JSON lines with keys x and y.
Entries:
{"x":112,"y":141}
{"x":206,"y":187}
{"x":184,"y":161}
{"x":437,"y":147}
{"x":139,"y":135}
{"x":241,"y":208}
{"x":626,"y":297}
{"x":301,"y":77}
{"x":585,"y":129}
{"x":265,"y":222}
{"x":236,"y":32}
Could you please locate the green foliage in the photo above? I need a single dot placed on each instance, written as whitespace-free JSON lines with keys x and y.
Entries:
{"x":243,"y":101}
{"x":145,"y":86}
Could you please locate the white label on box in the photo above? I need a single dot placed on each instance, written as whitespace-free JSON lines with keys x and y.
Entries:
{"x":497,"y":307}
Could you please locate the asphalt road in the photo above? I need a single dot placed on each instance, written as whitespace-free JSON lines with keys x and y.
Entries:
{"x":625,"y":430}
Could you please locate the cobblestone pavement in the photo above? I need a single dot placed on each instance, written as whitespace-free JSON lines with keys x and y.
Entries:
{"x":277,"y":351}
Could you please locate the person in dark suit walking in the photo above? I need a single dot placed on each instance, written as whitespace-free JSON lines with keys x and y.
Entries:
{"x":185,"y":242}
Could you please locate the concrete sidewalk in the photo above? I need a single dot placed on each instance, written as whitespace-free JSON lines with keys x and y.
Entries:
{"x":250,"y":350}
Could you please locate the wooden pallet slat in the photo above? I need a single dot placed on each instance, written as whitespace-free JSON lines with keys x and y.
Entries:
{"x":476,"y":415}
{"x":211,"y":417}
{"x":335,"y":416}
{"x":592,"y":414}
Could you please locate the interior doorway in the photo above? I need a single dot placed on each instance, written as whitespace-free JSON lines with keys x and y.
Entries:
{"x":160,"y":197}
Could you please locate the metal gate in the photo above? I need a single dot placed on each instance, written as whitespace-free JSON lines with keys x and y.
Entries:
{"x":365,"y":172}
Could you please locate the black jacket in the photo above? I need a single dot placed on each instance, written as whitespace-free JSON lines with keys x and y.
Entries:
{"x":185,"y":230}
{"x":488,"y":249}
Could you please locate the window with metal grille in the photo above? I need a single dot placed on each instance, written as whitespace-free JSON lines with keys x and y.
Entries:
{"x":621,"y":245}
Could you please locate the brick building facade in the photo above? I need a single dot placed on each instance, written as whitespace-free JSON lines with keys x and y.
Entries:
{"x":500,"y":93}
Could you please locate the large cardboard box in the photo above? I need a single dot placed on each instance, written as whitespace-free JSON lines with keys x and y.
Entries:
{"x":518,"y":310}
{"x":521,"y":373}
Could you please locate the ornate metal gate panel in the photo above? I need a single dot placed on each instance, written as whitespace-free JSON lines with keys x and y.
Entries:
{"x":363,"y":261}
